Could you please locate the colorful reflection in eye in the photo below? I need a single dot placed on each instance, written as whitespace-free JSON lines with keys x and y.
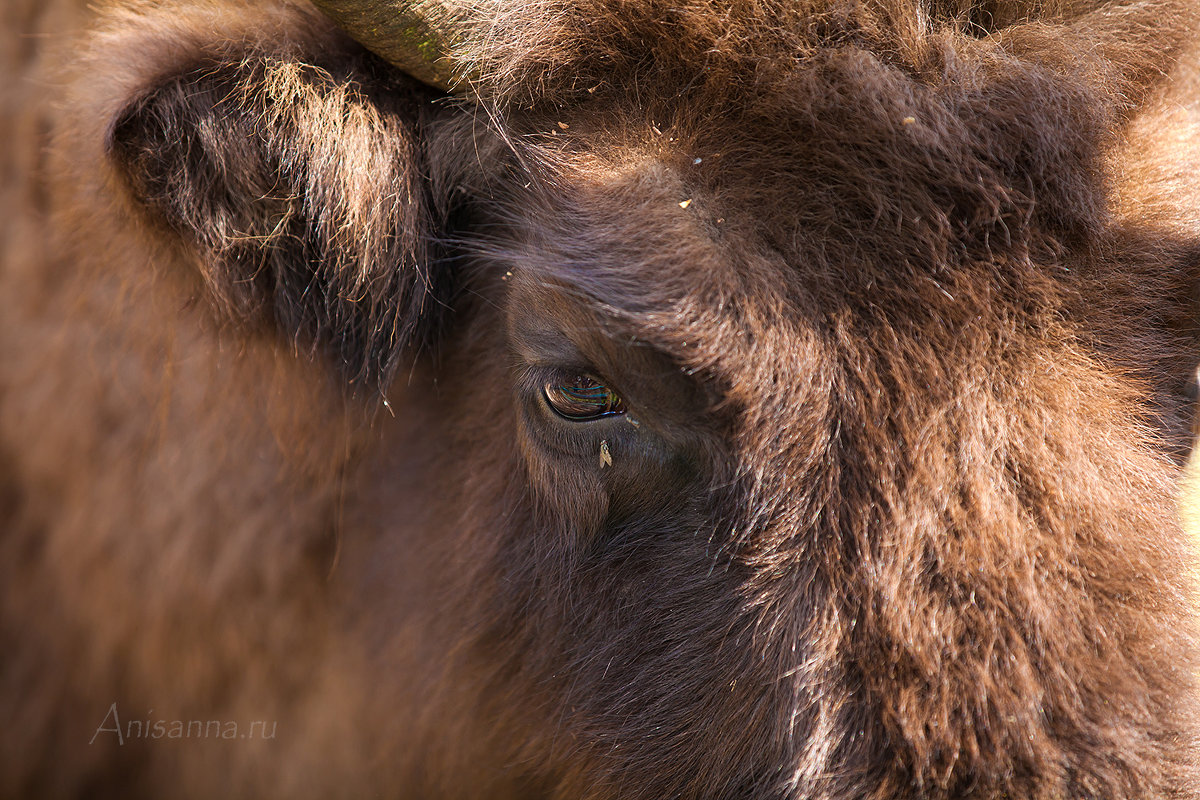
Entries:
{"x":581,"y":399}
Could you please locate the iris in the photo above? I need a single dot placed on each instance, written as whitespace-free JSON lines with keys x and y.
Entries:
{"x":582,"y":398}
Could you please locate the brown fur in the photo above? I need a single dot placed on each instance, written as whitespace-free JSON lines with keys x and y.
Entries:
{"x":901,"y":296}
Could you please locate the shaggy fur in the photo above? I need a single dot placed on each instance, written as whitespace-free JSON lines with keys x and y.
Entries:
{"x":900,"y":299}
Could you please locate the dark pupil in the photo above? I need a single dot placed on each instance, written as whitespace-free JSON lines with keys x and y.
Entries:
{"x":582,"y":398}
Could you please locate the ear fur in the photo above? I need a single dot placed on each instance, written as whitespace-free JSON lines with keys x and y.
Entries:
{"x":298,"y":183}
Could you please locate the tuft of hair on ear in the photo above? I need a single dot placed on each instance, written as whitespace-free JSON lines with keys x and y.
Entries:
{"x":299,"y":191}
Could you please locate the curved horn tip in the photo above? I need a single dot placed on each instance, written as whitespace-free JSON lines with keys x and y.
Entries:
{"x":412,"y":36}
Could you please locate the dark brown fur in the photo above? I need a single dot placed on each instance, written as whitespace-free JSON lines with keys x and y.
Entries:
{"x":901,"y":296}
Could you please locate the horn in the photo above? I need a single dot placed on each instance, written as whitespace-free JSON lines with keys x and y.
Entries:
{"x":414,"y":35}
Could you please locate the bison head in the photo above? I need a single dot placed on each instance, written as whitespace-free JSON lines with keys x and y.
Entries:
{"x":736,"y":400}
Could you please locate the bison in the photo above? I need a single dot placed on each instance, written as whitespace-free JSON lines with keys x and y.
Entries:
{"x":599,"y":399}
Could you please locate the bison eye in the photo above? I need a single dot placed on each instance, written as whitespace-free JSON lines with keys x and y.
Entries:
{"x":580,"y":398}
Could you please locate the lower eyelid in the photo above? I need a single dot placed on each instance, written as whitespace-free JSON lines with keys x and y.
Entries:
{"x":575,"y":440}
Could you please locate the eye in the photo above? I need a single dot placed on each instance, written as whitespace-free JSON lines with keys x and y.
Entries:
{"x":581,"y":399}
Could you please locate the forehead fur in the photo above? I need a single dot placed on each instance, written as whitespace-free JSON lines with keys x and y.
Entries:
{"x":861,"y":144}
{"x":528,"y":53}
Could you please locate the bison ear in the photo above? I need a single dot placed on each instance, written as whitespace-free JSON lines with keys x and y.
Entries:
{"x":299,"y":191}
